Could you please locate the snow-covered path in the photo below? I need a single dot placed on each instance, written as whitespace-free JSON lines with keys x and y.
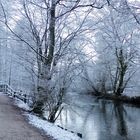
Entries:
{"x":13,"y":125}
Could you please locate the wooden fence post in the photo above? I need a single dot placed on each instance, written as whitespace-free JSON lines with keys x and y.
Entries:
{"x":14,"y":94}
{"x":25,"y":96}
{"x":6,"y":89}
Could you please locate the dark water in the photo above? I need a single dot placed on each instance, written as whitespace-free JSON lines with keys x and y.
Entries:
{"x":99,"y":119}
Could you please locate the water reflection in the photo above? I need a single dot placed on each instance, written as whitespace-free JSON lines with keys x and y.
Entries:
{"x":100,"y":120}
{"x":121,"y":123}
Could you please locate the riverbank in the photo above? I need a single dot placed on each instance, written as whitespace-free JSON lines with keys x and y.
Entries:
{"x":50,"y":129}
{"x":135,"y":100}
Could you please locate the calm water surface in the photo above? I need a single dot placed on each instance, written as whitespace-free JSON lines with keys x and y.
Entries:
{"x":100,"y":120}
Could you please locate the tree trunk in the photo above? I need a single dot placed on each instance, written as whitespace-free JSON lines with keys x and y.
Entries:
{"x":51,"y":34}
{"x":44,"y":65}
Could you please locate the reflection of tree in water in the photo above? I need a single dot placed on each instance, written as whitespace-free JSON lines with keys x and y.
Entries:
{"x":71,"y":115}
{"x":79,"y":119}
{"x":118,"y":110}
{"x":105,"y":116}
{"x":121,"y":123}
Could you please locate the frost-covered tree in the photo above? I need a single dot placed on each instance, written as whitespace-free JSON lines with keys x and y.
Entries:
{"x":118,"y":46}
{"x":52,"y":25}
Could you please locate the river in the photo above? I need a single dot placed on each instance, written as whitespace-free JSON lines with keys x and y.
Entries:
{"x":100,"y":119}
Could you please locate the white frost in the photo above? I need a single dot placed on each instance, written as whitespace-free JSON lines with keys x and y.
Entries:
{"x":52,"y":129}
{"x":22,"y":105}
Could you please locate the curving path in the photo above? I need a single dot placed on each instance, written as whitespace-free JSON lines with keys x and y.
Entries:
{"x":13,"y":126}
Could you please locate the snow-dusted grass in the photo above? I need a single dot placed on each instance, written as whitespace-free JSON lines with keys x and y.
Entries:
{"x":49,"y":128}
{"x":52,"y":129}
{"x":22,"y":105}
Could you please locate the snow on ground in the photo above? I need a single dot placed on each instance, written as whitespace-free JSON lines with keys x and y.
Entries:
{"x":22,"y":105}
{"x":49,"y":128}
{"x":131,"y":92}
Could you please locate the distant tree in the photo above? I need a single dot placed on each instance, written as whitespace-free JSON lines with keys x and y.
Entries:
{"x":119,"y":45}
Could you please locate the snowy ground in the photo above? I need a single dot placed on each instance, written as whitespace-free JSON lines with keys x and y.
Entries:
{"x":50,"y":129}
{"x":22,"y":105}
